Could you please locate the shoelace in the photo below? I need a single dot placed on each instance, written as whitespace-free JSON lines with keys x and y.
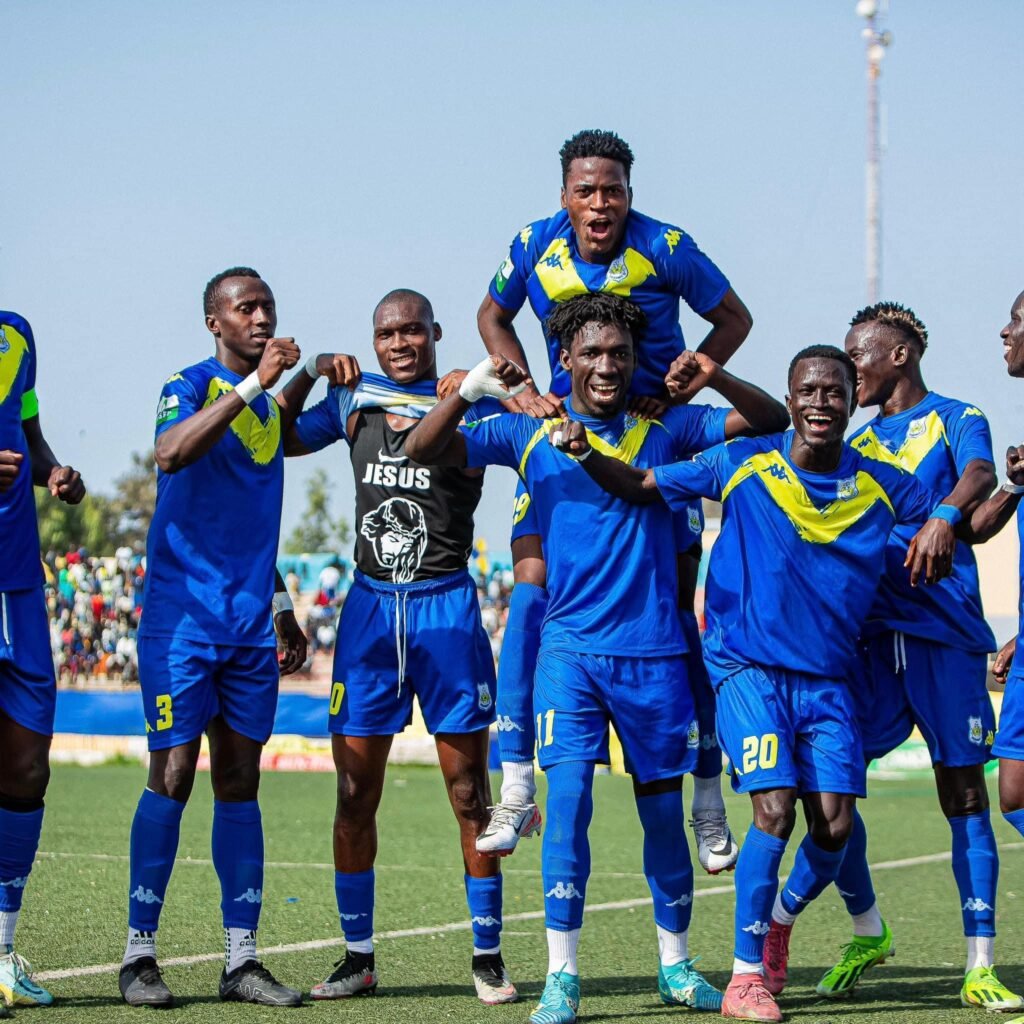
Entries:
{"x":493,"y":970}
{"x":757,"y":990}
{"x":714,"y":830}
{"x":22,"y":966}
{"x":150,"y":975}
{"x":505,"y":814}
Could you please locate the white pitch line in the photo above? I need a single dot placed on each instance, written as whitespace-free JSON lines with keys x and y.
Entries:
{"x":457,"y":926}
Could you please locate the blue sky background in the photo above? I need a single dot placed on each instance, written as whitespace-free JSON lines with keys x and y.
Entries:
{"x":344,"y":150}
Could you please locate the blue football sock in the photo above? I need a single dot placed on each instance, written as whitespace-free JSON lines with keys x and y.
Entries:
{"x":516,"y":668}
{"x":814,"y":870}
{"x":483,"y":896}
{"x":854,"y":878}
{"x":238,"y":861}
{"x":565,"y":854}
{"x":19,"y":840}
{"x":1016,"y":819}
{"x":153,"y":847}
{"x":976,"y":870}
{"x":667,"y":863}
{"x":355,"y":895}
{"x":757,"y":882}
{"x":709,"y":754}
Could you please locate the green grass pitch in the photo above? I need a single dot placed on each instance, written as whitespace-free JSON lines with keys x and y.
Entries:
{"x":74,"y":914}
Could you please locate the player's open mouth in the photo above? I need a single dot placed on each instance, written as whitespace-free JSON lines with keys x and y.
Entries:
{"x":405,"y":361}
{"x":600,"y":228}
{"x":605,"y":390}
{"x":818,"y":422}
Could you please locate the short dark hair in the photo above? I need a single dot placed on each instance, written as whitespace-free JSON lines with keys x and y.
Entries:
{"x":595,"y":142}
{"x":899,"y":317}
{"x":213,"y":285}
{"x":825,"y":352}
{"x":569,"y":318}
{"x":405,"y":293}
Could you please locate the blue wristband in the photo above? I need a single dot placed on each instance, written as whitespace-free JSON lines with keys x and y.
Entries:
{"x":950,"y":513}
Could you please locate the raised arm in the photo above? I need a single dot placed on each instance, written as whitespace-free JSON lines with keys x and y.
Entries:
{"x":340,"y":370}
{"x":992,"y":515}
{"x":730,"y":324}
{"x":187,"y":441}
{"x":754,"y":411}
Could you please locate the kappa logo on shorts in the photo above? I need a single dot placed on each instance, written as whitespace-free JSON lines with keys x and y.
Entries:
{"x":846,"y":489}
{"x":974,"y":731}
{"x":145,"y":895}
{"x":484,"y":700}
{"x":758,"y":928}
{"x":693,"y":736}
{"x":561,"y":891}
{"x":250,"y":896}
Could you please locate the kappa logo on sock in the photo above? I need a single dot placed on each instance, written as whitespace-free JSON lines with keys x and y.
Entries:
{"x":145,"y":895}
{"x":799,"y":899}
{"x":505,"y":724}
{"x":15,"y":883}
{"x":976,"y":904}
{"x":845,"y":895}
{"x":758,"y":928}
{"x":250,"y":896}
{"x":487,"y":922}
{"x":684,"y":901}
{"x":709,"y":740}
{"x":352,"y":917}
{"x":561,"y":891}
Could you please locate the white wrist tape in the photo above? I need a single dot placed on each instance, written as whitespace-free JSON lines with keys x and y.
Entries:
{"x":250,"y":389}
{"x":483,"y":380}
{"x":1011,"y":488}
{"x":311,"y":367}
{"x":282,"y":603}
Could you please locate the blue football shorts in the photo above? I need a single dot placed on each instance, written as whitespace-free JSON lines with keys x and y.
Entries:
{"x":648,"y":700}
{"x":185,"y":683}
{"x":784,"y":729}
{"x":906,"y":681}
{"x":1010,"y":738}
{"x":28,"y":690}
{"x":397,"y":640}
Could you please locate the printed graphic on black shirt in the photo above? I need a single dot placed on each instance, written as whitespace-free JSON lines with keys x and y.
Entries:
{"x":397,"y":529}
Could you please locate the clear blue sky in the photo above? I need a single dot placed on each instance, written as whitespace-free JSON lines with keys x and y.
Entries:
{"x":347,"y":149}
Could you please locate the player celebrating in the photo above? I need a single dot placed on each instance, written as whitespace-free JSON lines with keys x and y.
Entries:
{"x":796,"y":506}
{"x":598,"y":243}
{"x":410,"y":624}
{"x":27,"y":685}
{"x":925,"y":659}
{"x":207,"y":655}
{"x":612,"y":644}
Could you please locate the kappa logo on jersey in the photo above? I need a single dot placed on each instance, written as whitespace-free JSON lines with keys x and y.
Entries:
{"x":693,"y":736}
{"x":561,"y":891}
{"x":974,"y":731}
{"x":672,"y":237}
{"x":777,"y":471}
{"x":976,"y":904}
{"x":554,"y":260}
{"x":684,"y":901}
{"x":693,"y":518}
{"x":846,"y":489}
{"x":250,"y":896}
{"x":145,"y":895}
{"x":485,"y":699}
{"x":397,"y":530}
{"x":758,"y":928}
{"x":972,"y":410}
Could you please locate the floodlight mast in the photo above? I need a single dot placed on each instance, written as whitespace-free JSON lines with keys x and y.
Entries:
{"x":876,"y":40}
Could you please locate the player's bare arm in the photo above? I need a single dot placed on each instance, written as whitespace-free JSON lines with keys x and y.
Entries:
{"x":1004,"y":659}
{"x":288,"y":631}
{"x":191,"y":439}
{"x":63,"y":482}
{"x":618,"y":478}
{"x":754,"y":410}
{"x":730,"y":324}
{"x":340,"y":369}
{"x":992,"y":515}
{"x":435,"y":440}
{"x":500,"y":338}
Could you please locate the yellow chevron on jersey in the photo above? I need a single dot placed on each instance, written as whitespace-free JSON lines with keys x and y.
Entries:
{"x":561,"y":281}
{"x":854,"y":499}
{"x":625,"y":449}
{"x":12,"y":353}
{"x":261,"y":440}
{"x":629,"y":271}
{"x":922,"y":436}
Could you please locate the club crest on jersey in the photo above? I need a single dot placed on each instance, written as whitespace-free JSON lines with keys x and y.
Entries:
{"x":484,"y":699}
{"x":975,"y":731}
{"x":693,"y":518}
{"x":693,"y":736}
{"x":917,"y":427}
{"x":846,"y":488}
{"x":617,"y":270}
{"x":5,"y":345}
{"x":397,"y":530}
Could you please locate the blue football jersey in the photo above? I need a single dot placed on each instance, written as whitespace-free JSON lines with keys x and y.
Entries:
{"x":611,"y":565}
{"x":657,"y":265}
{"x":1017,"y":665}
{"x":793,"y":573}
{"x":935,"y":440}
{"x":20,"y":564}
{"x":212,"y":544}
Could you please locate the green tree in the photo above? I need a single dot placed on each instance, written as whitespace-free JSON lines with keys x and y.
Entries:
{"x":92,"y":524}
{"x":316,"y":529}
{"x":134,"y":499}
